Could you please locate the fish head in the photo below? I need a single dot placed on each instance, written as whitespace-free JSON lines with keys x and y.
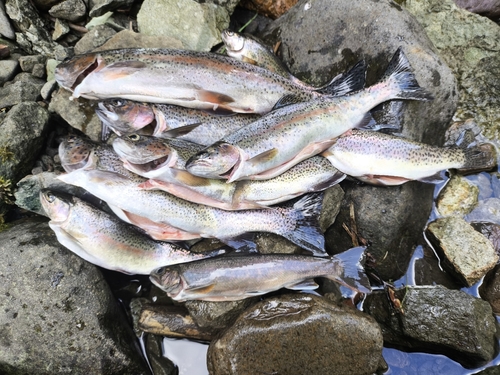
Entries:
{"x":70,"y":73}
{"x":167,"y":279}
{"x":234,"y":42}
{"x":75,"y":152}
{"x":56,"y":205}
{"x":124,"y":116}
{"x":215,"y":161}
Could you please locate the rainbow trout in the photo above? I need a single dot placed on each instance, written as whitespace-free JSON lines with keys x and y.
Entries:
{"x":231,"y":278}
{"x":192,"y":79}
{"x":163,"y":161}
{"x":202,"y":127}
{"x":295,"y":132}
{"x":106,"y":241}
{"x":384,"y":159}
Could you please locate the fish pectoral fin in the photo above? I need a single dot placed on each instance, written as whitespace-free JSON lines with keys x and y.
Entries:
{"x":214,"y":97}
{"x":201,"y":290}
{"x":287,"y":100}
{"x":263,"y":157}
{"x":188,"y":179}
{"x":179,"y":132}
{"x":434,"y":179}
{"x":303,"y":285}
{"x":122,"y":69}
{"x":383,"y":180}
{"x":368,"y":122}
{"x":243,"y":243}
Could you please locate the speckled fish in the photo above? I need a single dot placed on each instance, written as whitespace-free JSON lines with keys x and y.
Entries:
{"x":160,"y":162}
{"x":190,"y":79}
{"x":202,"y":127}
{"x":106,"y":241}
{"x":297,"y":224}
{"x":231,"y":278}
{"x":290,"y":134}
{"x":250,"y":49}
{"x":384,"y":159}
{"x":81,"y":153}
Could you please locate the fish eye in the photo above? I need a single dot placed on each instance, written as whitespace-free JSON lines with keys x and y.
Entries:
{"x":134,"y":137}
{"x":160,"y":270}
{"x":50,"y":197}
{"x":117,"y":102}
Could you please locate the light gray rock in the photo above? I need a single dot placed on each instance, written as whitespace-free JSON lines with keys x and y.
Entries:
{"x":47,"y":89}
{"x":70,"y":10}
{"x":470,"y":45}
{"x":464,"y":251}
{"x":437,"y":320}
{"x":58,"y":315}
{"x":130,"y":39}
{"x":29,"y":62}
{"x":196,"y":24}
{"x":6,"y":28}
{"x":297,"y":334}
{"x":61,"y":28}
{"x":458,"y":198}
{"x":94,"y":38}
{"x":24,"y":88}
{"x":8,"y":69}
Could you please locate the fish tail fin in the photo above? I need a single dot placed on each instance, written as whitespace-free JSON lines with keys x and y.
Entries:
{"x":477,"y":156}
{"x":402,"y":81}
{"x":352,"y":274}
{"x":343,"y":84}
{"x":306,"y":233}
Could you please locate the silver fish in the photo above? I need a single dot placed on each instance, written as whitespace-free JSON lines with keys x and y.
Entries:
{"x":384,"y":159}
{"x":290,"y":134}
{"x":231,"y":278}
{"x":106,"y":241}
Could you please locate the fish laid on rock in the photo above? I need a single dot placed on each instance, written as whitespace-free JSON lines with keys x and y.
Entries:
{"x":230,"y":278}
{"x":191,"y":79}
{"x":384,"y":159}
{"x":298,"y":224}
{"x":295,"y":132}
{"x":108,"y":242}
{"x":202,"y":127}
{"x":163,"y":161}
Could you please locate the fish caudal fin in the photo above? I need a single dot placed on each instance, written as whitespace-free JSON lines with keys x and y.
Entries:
{"x":343,"y":84}
{"x":307,"y":233}
{"x":481,"y":157}
{"x":352,"y":274}
{"x":401,"y":79}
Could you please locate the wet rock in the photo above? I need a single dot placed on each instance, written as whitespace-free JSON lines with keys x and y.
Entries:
{"x":486,"y":210}
{"x":390,"y":218}
{"x":437,"y":320}
{"x":100,"y":7}
{"x":428,"y":271}
{"x":484,"y":183}
{"x":297,"y":334}
{"x":130,"y":39}
{"x":80,"y":113}
{"x":469,"y":44}
{"x":464,"y":251}
{"x":58,"y":306}
{"x":69,"y":10}
{"x":268,"y":8}
{"x":6,"y":29}
{"x":24,"y":88}
{"x":160,"y":364}
{"x":196,"y":24}
{"x":217,"y":315}
{"x":458,"y":198}
{"x":491,"y":231}
{"x":486,"y":8}
{"x":94,"y":38}
{"x":33,"y":35}
{"x":490,"y":289}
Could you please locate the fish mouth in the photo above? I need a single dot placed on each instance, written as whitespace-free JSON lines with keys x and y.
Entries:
{"x":150,"y":166}
{"x":71,"y":73}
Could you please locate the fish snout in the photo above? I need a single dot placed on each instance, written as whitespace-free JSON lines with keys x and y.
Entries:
{"x":69,"y":74}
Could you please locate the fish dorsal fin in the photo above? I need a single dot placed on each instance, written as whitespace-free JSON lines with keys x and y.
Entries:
{"x":287,"y":100}
{"x":180,"y":131}
{"x":303,"y":285}
{"x":353,"y":80}
{"x":263,"y":156}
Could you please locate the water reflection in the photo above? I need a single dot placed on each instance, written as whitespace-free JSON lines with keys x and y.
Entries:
{"x":188,"y":356}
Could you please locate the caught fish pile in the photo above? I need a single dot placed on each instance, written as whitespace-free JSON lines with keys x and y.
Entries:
{"x":209,"y":145}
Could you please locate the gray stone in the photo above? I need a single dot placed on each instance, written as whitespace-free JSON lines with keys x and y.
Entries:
{"x":458,"y":198}
{"x":58,"y":314}
{"x":437,"y":320}
{"x":490,"y":289}
{"x":464,"y":251}
{"x":21,"y":90}
{"x":470,"y":45}
{"x":61,"y":28}
{"x":8,"y":69}
{"x":6,"y":29}
{"x":47,"y":89}
{"x":78,"y":113}
{"x":99,"y":7}
{"x":297,"y":334}
{"x":130,"y":39}
{"x":94,"y":38}
{"x":197,"y":25}
{"x":70,"y":10}
{"x":28,"y":62}
{"x":487,"y":8}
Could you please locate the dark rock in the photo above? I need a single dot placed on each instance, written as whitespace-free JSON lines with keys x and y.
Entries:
{"x":490,"y":289}
{"x":390,"y":218}
{"x":94,"y":38}
{"x":297,"y":334}
{"x":487,"y":8}
{"x":99,"y":7}
{"x":158,"y":362}
{"x":58,"y":314}
{"x":29,"y":62}
{"x":269,"y":8}
{"x":70,"y":10}
{"x":437,"y":320}
{"x":491,"y":231}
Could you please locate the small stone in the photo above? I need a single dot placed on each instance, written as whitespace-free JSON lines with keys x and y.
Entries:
{"x":19,"y":92}
{"x":464,"y":251}
{"x":459,"y":197}
{"x":94,"y":38}
{"x":48,"y":89}
{"x":8,"y":70}
{"x":61,"y":28}
{"x":99,"y":7}
{"x":70,"y":10}
{"x":38,"y":71}
{"x":28,"y":62}
{"x":6,"y":28}
{"x":490,"y":289}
